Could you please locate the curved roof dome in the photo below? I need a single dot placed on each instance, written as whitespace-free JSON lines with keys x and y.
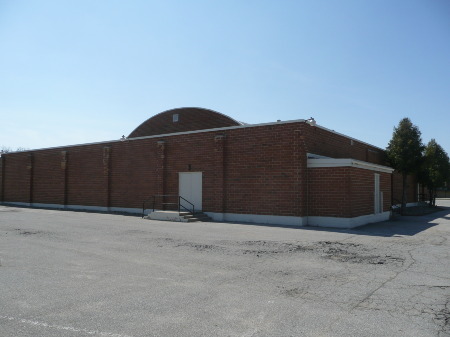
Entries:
{"x":181,"y":120}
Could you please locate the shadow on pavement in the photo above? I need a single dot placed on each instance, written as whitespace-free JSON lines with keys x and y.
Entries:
{"x":401,"y":226}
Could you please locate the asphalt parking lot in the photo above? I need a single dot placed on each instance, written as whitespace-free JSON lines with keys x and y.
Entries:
{"x":86,"y":274}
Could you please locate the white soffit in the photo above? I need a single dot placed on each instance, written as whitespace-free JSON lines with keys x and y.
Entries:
{"x":333,"y":162}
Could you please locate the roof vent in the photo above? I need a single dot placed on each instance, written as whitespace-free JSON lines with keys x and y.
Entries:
{"x":175,"y":118}
{"x":311,"y":121}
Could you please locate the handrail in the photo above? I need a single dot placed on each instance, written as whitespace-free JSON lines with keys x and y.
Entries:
{"x":178,"y":203}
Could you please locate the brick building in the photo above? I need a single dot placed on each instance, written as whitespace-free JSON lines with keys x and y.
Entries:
{"x":286,"y":172}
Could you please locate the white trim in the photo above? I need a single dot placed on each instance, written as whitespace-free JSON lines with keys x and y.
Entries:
{"x":323,"y":221}
{"x":348,"y":162}
{"x":258,"y":218}
{"x":316,"y":156}
{"x":320,"y":221}
{"x":129,"y":210}
{"x":200,"y":131}
{"x":80,"y":207}
{"x":167,"y":135}
{"x":218,"y":129}
{"x":40,"y":205}
{"x":87,"y":208}
{"x":173,"y":216}
{"x":16,"y":203}
{"x":409,"y":204}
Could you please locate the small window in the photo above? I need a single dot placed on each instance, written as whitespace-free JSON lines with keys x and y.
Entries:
{"x":175,"y":118}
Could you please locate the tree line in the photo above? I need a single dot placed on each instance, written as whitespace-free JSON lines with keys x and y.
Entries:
{"x":6,"y":149}
{"x":408,"y":155}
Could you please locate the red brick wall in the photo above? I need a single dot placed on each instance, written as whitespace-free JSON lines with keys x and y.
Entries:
{"x":362,"y":191}
{"x":133,"y":172}
{"x":345,"y":191}
{"x":329,"y":192}
{"x":1,"y":178}
{"x":330,"y":144}
{"x":197,"y":152}
{"x":253,"y":170}
{"x":17,"y":177}
{"x":250,"y":171}
{"x":48,"y":178}
{"x":86,"y":181}
{"x":247,"y":170}
{"x":263,"y":176}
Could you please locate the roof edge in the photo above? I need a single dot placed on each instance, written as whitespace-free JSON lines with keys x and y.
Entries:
{"x":347,"y":162}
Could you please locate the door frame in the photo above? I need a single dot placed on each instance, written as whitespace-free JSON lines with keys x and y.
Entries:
{"x":194,"y":193}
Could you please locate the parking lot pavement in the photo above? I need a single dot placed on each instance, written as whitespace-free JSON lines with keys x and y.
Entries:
{"x":86,"y":274}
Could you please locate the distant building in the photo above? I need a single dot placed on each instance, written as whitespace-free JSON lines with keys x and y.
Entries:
{"x":285,"y":172}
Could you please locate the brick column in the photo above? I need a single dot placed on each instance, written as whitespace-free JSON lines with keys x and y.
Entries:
{"x":107,"y":174}
{"x":2,"y":172}
{"x":219,"y":174}
{"x":301,"y":174}
{"x":160,"y":167}
{"x":65,"y":176}
{"x":31,"y":170}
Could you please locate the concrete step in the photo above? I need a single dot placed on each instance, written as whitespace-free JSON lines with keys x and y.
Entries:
{"x":196,"y":217}
{"x":180,"y":217}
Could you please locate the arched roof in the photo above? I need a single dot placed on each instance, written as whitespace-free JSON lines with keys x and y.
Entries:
{"x":188,"y":119}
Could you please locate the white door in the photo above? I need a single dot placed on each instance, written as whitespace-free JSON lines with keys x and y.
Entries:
{"x":190,"y":188}
{"x":377,"y":195}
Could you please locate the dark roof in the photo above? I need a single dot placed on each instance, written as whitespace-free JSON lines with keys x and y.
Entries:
{"x":189,"y":119}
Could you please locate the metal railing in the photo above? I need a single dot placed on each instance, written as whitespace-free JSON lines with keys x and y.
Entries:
{"x":167,"y":202}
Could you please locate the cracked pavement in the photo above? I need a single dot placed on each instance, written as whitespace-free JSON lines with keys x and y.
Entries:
{"x":87,"y":274}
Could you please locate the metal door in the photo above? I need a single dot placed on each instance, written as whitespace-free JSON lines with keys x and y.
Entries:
{"x":190,"y":188}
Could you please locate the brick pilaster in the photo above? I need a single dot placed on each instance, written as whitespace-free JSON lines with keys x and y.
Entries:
{"x":107,"y":174}
{"x":219,"y":174}
{"x":301,"y":174}
{"x":31,"y":174}
{"x":2,"y":172}
{"x":160,"y":166}
{"x":65,"y":176}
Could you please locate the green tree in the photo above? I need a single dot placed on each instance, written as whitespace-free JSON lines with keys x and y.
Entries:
{"x":404,"y":152}
{"x":436,"y":169}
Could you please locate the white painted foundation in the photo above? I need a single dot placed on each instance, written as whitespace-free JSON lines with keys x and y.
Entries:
{"x":166,"y":216}
{"x":81,"y":207}
{"x":324,"y":221}
{"x":319,"y":221}
{"x":257,"y":218}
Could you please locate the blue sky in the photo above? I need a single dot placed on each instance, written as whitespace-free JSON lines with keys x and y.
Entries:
{"x":76,"y":72}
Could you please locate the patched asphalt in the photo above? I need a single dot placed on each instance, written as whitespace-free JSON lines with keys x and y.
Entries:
{"x":79,"y":274}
